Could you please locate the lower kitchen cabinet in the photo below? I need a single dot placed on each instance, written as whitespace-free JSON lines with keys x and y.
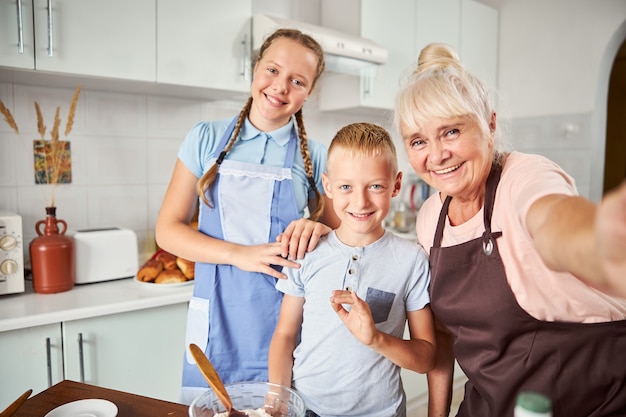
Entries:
{"x":139,"y":351}
{"x":31,"y":359}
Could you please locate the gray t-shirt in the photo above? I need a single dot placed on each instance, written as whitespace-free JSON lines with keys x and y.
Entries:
{"x":335,"y":373}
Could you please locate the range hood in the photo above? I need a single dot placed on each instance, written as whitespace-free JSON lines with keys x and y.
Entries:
{"x":344,"y":53}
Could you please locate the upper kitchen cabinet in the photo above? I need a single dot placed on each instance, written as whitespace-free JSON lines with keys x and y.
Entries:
{"x":374,"y":91}
{"x":17,"y":49}
{"x":204,"y":44}
{"x":404,"y":27}
{"x":479,"y":40}
{"x":112,"y":39}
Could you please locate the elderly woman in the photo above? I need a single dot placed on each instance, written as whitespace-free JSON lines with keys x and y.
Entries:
{"x":527,"y":276}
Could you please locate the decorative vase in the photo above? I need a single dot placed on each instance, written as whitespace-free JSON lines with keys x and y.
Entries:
{"x":52,"y":256}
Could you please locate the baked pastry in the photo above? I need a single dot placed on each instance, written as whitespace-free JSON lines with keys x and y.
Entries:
{"x":168,"y":259}
{"x":170,"y":276}
{"x":150,"y":270}
{"x":186,"y":267}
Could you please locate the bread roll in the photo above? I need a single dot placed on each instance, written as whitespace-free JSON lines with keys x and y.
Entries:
{"x":186,"y":267}
{"x":170,"y":276}
{"x":149,"y":270}
{"x":169,"y":260}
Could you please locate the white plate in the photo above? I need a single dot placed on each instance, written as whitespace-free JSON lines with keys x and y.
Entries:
{"x":172,"y":285}
{"x":85,"y":408}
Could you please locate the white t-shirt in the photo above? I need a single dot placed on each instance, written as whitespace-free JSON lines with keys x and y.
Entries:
{"x":543,"y":293}
{"x":334,"y":372}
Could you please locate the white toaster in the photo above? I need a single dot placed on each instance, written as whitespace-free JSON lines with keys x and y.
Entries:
{"x":105,"y":254}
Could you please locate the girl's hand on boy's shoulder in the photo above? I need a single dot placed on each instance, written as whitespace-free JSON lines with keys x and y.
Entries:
{"x":262,"y":258}
{"x":301,"y":236}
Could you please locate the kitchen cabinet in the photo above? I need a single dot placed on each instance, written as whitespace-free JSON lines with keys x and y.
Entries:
{"x":479,"y":40}
{"x":16,"y":34}
{"x":370,"y":93}
{"x":138,"y":351}
{"x":113,"y":39}
{"x":469,"y":26}
{"x":31,"y":359}
{"x":204,"y":44}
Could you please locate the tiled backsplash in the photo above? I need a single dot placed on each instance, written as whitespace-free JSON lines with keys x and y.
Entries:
{"x":565,"y":139}
{"x":123,"y":149}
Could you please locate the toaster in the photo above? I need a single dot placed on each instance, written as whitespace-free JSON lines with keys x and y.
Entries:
{"x":105,"y":254}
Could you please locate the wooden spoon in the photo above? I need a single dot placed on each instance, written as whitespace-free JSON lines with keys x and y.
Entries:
{"x":214,"y":380}
{"x":11,"y":409}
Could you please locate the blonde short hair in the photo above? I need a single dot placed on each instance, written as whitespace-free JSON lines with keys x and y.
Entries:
{"x":366,"y":139}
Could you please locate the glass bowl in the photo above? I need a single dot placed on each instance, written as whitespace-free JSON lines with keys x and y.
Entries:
{"x":277,"y":400}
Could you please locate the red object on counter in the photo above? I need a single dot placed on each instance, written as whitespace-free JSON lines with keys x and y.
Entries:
{"x":52,"y":256}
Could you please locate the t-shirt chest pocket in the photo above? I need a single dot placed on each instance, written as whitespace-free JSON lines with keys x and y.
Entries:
{"x":380,"y":303}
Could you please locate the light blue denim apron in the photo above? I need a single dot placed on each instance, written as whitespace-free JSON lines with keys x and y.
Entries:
{"x":233,"y":313}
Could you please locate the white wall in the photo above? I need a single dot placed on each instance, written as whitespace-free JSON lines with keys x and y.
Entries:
{"x":551,"y":53}
{"x":555,"y":61}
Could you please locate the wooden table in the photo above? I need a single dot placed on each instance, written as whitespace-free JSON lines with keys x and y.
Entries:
{"x":129,"y":405}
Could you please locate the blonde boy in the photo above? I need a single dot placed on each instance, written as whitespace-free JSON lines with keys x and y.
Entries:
{"x":339,"y":338}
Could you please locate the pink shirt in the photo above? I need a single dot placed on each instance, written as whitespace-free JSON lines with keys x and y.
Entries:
{"x":543,"y":293}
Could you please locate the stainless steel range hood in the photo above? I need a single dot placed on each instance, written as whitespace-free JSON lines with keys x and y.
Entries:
{"x":344,"y":53}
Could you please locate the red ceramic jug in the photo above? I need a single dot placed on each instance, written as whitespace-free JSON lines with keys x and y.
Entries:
{"x":52,"y":256}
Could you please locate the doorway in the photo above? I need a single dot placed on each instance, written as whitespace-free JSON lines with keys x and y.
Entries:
{"x":615,"y":151}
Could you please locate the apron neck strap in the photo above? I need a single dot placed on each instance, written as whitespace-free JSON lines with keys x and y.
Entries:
{"x":490,"y":197}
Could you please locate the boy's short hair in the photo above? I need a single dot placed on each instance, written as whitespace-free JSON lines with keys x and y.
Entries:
{"x":365,"y":139}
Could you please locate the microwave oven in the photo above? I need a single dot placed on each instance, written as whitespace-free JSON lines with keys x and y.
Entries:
{"x":11,"y":253}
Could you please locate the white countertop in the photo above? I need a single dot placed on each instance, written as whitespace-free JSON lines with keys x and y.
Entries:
{"x":31,"y":309}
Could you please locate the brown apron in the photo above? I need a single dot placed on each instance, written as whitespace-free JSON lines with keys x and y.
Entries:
{"x":503,"y":350}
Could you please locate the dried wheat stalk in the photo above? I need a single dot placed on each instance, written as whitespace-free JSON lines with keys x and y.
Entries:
{"x":56,"y":148}
{"x":8,"y":117}
{"x":70,"y":116}
{"x":41,"y":128}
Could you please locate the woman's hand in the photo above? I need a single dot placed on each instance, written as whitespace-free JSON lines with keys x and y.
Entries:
{"x":359,"y":319}
{"x":300,"y":237}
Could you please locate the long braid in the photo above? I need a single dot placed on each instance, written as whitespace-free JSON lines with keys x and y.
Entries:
{"x":205,"y":183}
{"x":308,"y":166}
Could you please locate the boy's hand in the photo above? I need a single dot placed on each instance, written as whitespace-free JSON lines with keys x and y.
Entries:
{"x":358,"y":319}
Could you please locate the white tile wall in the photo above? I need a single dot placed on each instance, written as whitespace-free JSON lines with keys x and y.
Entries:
{"x":123,"y":150}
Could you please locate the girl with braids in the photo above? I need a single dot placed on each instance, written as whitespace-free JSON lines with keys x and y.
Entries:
{"x":255,"y":175}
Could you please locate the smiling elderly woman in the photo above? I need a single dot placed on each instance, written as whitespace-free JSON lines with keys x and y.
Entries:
{"x":517,"y":258}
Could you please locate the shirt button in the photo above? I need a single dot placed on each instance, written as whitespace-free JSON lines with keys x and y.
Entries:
{"x":351,"y":271}
{"x":355,"y":257}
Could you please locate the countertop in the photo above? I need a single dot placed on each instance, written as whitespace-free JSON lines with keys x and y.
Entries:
{"x":29,"y":309}
{"x":128,"y":405}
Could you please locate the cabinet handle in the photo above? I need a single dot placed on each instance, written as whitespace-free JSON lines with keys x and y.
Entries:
{"x":367,"y":78}
{"x":49,"y":361}
{"x":20,"y":28}
{"x":50,"y":48}
{"x":245,"y":73}
{"x":81,"y":357}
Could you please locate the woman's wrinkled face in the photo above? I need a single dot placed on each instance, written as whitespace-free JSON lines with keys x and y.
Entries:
{"x":283,"y":79}
{"x":452,"y":155}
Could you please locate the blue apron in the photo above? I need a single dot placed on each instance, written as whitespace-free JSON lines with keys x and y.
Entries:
{"x":233,"y":313}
